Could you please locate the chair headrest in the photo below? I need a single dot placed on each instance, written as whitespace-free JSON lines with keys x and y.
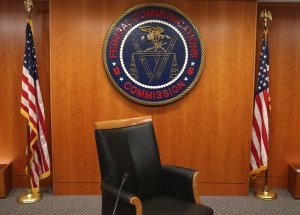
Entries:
{"x":120,"y":123}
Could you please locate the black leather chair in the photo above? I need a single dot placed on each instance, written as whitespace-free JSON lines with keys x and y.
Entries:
{"x":129,"y":146}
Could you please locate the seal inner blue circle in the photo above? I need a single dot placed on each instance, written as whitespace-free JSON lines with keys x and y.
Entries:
{"x":156,"y":48}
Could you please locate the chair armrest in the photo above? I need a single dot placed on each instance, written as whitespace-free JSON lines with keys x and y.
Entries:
{"x":181,"y":183}
{"x":112,"y":192}
{"x":125,"y":197}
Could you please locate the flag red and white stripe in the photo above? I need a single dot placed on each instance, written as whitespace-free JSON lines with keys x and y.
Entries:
{"x":260,"y":125}
{"x":32,"y":108}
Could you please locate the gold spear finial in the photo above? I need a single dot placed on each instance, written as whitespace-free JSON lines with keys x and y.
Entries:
{"x":28,"y":6}
{"x":265,"y":15}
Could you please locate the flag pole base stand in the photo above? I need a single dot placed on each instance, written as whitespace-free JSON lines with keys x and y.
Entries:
{"x":29,"y":197}
{"x":266,"y":194}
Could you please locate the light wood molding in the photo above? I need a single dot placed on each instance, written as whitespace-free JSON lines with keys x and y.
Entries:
{"x":122,"y":122}
{"x":138,"y":205}
{"x":195,"y":188}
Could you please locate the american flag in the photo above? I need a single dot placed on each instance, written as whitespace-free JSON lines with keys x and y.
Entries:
{"x":260,"y":124}
{"x":32,"y":109}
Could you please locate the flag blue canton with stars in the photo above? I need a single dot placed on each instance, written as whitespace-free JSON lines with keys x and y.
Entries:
{"x":263,"y":71}
{"x":29,"y":55}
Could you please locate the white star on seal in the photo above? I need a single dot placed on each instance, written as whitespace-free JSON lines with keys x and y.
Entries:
{"x":121,"y":79}
{"x":193,"y":63}
{"x":114,"y":63}
{"x":185,"y":79}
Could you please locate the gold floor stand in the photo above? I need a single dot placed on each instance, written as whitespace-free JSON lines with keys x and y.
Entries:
{"x":29,"y":197}
{"x":266,"y":194}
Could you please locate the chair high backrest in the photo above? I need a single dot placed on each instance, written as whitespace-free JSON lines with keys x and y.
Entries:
{"x":129,"y":146}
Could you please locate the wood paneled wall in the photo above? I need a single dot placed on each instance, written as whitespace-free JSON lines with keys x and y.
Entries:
{"x":284,"y":49}
{"x":209,"y":129}
{"x":13,"y":136}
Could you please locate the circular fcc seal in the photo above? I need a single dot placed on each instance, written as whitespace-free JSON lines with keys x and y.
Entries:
{"x":153,"y":54}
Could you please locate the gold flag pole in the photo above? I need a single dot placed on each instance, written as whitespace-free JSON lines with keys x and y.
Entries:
{"x":28,"y":196}
{"x":266,"y":193}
